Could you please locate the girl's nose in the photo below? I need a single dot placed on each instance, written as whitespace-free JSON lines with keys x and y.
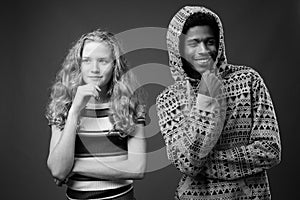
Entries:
{"x":95,"y":66}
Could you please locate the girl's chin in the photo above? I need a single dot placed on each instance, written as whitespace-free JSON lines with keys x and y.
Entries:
{"x":98,"y":83}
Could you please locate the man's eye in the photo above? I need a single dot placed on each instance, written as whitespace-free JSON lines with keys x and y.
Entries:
{"x":193,"y":44}
{"x":211,"y":42}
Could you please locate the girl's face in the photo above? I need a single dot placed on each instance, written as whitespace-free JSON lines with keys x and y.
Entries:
{"x":97,"y":63}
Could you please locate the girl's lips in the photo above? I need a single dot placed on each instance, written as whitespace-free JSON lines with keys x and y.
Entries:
{"x":95,"y":76}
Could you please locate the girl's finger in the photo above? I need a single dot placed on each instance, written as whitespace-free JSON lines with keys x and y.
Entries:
{"x":95,"y":92}
{"x":98,"y":88}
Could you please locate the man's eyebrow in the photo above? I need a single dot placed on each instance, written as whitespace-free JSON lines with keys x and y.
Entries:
{"x":192,"y":40}
{"x":102,"y":57}
{"x":198,"y":40}
{"x":212,"y":37}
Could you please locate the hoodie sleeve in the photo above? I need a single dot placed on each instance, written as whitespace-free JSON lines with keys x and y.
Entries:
{"x":189,"y":134}
{"x":264,"y":149}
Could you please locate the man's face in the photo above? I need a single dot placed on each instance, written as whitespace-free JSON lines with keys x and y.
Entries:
{"x":200,"y":48}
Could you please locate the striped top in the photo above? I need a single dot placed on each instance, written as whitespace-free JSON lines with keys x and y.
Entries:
{"x":97,"y":139}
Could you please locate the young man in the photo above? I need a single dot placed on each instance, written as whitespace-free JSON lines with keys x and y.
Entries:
{"x":222,"y":151}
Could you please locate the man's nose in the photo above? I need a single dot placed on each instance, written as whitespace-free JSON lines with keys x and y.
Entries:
{"x":202,"y":48}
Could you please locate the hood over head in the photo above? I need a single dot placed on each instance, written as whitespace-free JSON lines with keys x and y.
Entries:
{"x":173,"y":40}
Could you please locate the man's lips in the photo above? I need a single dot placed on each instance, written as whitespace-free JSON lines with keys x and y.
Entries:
{"x":202,"y":60}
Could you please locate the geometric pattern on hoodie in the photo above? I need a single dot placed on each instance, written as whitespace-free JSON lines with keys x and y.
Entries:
{"x":227,"y":162}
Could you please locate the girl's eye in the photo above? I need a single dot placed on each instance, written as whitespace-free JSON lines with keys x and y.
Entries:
{"x":85,"y":61}
{"x":103,"y":61}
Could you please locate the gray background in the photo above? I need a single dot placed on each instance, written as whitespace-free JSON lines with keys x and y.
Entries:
{"x":37,"y":34}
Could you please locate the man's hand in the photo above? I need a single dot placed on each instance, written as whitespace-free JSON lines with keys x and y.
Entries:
{"x":210,"y":85}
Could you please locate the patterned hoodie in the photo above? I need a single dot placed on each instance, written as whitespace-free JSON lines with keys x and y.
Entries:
{"x":227,"y":162}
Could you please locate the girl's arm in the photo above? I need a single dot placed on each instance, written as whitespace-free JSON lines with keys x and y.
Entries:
{"x":62,"y":145}
{"x":132,"y":168}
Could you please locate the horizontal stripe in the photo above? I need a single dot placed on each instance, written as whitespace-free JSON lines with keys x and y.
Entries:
{"x":100,"y":144}
{"x":98,"y":133}
{"x":98,"y":155}
{"x":82,"y":179}
{"x":97,"y":106}
{"x":104,"y":159}
{"x":98,"y":113}
{"x":75,"y":194}
{"x":141,"y":122}
{"x":127,"y":195}
{"x":95,"y":124}
{"x":85,"y":183}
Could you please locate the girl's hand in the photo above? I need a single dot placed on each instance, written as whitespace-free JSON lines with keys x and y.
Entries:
{"x":82,"y":96}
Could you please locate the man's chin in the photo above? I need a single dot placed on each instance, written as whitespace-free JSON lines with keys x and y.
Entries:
{"x":202,"y":68}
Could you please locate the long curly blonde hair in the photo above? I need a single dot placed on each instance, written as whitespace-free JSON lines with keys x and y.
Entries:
{"x":124,"y":99}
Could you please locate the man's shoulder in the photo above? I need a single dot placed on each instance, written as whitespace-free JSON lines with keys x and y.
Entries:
{"x":242,"y":70}
{"x":169,"y":92}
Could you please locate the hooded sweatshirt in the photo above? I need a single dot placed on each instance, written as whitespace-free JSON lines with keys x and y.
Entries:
{"x":219,"y":159}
